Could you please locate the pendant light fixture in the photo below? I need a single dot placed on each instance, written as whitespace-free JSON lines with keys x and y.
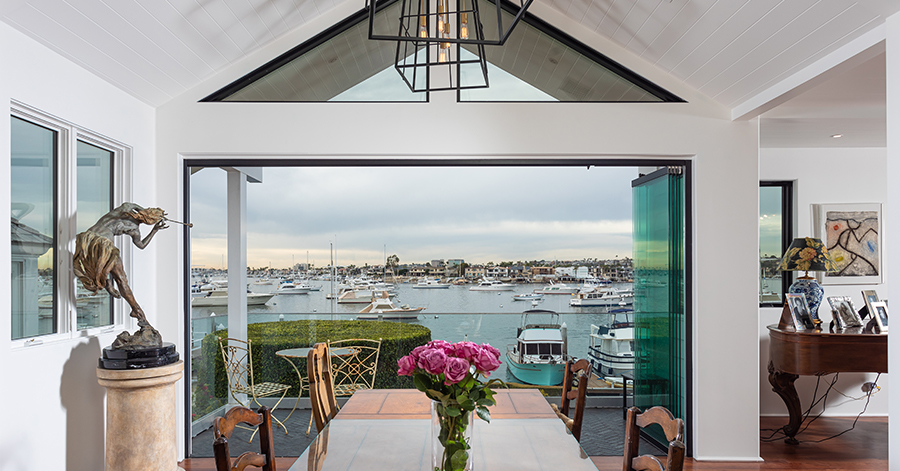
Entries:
{"x":440,"y":43}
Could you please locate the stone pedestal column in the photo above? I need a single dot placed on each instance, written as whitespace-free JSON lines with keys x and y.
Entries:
{"x":140,"y":418}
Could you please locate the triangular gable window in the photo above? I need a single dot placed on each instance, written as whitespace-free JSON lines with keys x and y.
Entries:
{"x":537,"y":63}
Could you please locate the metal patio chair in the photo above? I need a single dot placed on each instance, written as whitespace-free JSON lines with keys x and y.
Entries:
{"x":354,"y":369}
{"x":238,"y":357}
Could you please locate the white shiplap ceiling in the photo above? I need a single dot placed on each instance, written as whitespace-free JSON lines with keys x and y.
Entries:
{"x":730,"y":50}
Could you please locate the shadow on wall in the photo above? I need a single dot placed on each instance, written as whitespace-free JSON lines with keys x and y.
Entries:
{"x":83,"y":399}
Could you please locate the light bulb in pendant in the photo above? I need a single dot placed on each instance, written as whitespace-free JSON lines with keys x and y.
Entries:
{"x":464,"y":23}
{"x":443,"y":52}
{"x":423,"y":22}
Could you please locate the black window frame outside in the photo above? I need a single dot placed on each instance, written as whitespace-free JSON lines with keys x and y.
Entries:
{"x":787,"y":231}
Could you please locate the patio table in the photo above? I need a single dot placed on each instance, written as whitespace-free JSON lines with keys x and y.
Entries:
{"x":390,"y":430}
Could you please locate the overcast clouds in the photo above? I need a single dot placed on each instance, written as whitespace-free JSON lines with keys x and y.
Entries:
{"x":477,"y":214}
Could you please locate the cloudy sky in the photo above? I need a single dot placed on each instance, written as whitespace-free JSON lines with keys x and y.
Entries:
{"x":476,"y":214}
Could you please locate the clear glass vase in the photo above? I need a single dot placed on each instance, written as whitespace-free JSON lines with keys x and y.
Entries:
{"x":450,"y":439}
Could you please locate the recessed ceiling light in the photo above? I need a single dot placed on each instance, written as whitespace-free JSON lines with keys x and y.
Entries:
{"x":836,"y":136}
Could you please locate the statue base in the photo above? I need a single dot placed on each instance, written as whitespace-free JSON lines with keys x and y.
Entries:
{"x":141,"y":419}
{"x":148,"y":357}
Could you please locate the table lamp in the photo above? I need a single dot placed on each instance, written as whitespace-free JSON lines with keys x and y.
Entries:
{"x":807,"y":254}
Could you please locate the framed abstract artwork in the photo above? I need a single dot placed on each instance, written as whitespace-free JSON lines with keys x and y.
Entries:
{"x":852,"y":234}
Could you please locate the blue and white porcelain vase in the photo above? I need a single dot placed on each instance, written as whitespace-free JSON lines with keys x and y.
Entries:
{"x":813,"y":292}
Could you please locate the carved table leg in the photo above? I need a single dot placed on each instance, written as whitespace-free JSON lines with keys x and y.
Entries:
{"x":783,"y":385}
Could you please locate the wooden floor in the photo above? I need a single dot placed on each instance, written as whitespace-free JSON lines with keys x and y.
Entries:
{"x":864,"y":448}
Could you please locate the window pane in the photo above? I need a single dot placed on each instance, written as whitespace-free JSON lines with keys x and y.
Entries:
{"x":94,"y":198}
{"x":539,"y":64}
{"x":771,"y":237}
{"x":32,"y":219}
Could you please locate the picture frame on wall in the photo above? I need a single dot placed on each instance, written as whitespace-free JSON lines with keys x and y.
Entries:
{"x":880,"y":312}
{"x":799,"y":311}
{"x":844,"y":313}
{"x":852,"y":234}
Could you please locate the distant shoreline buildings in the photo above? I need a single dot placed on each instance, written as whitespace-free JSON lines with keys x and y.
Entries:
{"x":536,"y":271}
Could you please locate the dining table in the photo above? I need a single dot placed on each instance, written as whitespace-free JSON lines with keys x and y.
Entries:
{"x":390,"y":430}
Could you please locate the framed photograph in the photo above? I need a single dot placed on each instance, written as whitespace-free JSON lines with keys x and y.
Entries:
{"x":879,"y":310}
{"x":869,"y":297}
{"x":845,"y":314}
{"x":852,"y":234}
{"x":799,"y":311}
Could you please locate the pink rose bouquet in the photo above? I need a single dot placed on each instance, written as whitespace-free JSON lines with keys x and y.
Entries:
{"x":452,"y":375}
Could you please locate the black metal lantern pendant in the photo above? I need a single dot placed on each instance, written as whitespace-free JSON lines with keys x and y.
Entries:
{"x":440,"y":43}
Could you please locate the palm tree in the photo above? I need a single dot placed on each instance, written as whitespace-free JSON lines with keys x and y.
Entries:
{"x":392,"y":262}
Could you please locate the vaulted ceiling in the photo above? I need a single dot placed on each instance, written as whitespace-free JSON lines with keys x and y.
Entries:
{"x":730,"y":50}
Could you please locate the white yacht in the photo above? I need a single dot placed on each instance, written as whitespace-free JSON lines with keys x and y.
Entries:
{"x":488,"y":284}
{"x":428,"y":283}
{"x":603,"y":297}
{"x":557,"y":288}
{"x":219,"y":297}
{"x":361,"y":296}
{"x":289,"y":287}
{"x":612,"y":348}
{"x":383,"y":308}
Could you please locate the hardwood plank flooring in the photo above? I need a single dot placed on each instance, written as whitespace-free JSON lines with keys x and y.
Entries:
{"x":864,"y":448}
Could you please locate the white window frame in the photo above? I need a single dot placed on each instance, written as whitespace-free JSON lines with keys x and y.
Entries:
{"x":68,"y":135}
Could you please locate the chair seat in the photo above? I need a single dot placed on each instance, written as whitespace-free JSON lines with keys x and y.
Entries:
{"x":264,"y":389}
{"x":348,"y":389}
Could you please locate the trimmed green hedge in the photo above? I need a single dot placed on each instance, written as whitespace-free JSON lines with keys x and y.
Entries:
{"x":397,"y":340}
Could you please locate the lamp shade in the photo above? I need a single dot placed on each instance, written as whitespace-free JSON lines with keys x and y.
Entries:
{"x":806,"y":254}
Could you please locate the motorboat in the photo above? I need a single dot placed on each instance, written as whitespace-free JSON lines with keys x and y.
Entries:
{"x":427,"y":283}
{"x":592,"y":282}
{"x":289,"y":287}
{"x":382,"y":308}
{"x":603,"y":297}
{"x":487,"y":284}
{"x":557,"y":288}
{"x":219,"y":297}
{"x":361,"y":296}
{"x":612,"y":348}
{"x":527,"y":297}
{"x":539,"y":355}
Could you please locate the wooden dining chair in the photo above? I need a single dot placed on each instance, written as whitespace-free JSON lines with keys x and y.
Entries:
{"x":321,"y":388}
{"x":581,"y":371}
{"x":223,"y":428}
{"x":673,"y":429}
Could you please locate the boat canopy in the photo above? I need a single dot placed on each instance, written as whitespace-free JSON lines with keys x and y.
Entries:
{"x":541,"y":335}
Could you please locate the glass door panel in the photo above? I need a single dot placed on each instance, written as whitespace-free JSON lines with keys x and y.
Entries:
{"x":660,"y":377}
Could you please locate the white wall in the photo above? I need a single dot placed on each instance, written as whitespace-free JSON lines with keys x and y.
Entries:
{"x":892,"y":220}
{"x":725,"y":190}
{"x":54,"y":409}
{"x":833,"y":175}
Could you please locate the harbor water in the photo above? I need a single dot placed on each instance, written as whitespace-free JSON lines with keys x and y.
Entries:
{"x":452,"y":314}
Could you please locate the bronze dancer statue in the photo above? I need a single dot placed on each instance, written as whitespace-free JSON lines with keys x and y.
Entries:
{"x":97,"y":259}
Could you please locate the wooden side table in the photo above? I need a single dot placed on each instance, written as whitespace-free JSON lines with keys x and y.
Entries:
{"x":813,"y":352}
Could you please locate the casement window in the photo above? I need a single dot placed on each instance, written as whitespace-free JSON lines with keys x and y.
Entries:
{"x":62,"y":179}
